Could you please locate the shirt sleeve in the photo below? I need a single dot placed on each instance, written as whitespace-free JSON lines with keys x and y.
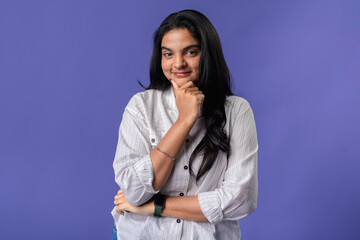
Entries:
{"x":237,"y":196}
{"x":133,"y":168}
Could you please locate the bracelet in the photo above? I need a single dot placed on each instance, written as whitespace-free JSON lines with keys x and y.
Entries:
{"x":165,"y":153}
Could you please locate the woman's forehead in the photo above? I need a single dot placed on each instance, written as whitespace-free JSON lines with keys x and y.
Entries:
{"x":179,"y":37}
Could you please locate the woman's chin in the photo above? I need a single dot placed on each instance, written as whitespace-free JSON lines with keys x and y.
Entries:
{"x":181,"y":82}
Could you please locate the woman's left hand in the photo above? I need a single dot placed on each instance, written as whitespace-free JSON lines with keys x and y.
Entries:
{"x":123,"y":205}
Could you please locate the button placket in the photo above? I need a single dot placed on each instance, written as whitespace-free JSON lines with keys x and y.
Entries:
{"x":183,"y":174}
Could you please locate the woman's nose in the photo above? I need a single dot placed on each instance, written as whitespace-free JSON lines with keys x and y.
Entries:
{"x":180,"y":62}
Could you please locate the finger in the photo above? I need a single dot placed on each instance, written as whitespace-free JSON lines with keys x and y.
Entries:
{"x":120,"y":200}
{"x":191,"y":89}
{"x":117,"y":201}
{"x":188,"y":85}
{"x":195,"y":92}
{"x":119,"y":210}
{"x":120,"y":191}
{"x":201,"y":96}
{"x":176,"y":87}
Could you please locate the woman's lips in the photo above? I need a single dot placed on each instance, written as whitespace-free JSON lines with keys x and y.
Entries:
{"x":181,"y":74}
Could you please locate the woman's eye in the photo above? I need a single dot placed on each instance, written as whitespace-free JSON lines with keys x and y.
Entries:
{"x":166,"y":54}
{"x":191,"y":52}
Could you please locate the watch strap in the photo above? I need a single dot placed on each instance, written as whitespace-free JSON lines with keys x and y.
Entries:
{"x":157,"y":211}
{"x":159,"y":203}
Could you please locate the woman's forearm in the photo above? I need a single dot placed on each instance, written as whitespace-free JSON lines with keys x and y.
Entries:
{"x":170,"y":144}
{"x":186,"y":208}
{"x":188,"y":100}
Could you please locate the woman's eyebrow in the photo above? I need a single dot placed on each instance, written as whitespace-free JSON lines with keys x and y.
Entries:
{"x":192,"y":46}
{"x":185,"y":48}
{"x":165,"y":48}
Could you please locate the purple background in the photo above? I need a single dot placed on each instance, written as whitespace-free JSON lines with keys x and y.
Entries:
{"x":68,"y":68}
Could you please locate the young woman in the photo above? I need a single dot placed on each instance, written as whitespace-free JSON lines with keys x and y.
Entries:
{"x":186,"y":159}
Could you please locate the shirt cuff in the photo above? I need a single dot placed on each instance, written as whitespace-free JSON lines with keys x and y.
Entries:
{"x":115,"y":215}
{"x":210,"y":206}
{"x":145,"y":172}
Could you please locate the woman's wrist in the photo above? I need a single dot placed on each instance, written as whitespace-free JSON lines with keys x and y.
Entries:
{"x":185,"y":122}
{"x":146,"y":209}
{"x":149,"y":208}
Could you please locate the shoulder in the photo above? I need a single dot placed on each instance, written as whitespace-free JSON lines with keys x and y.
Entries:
{"x":237,"y":105}
{"x":142,"y":102}
{"x":142,"y":98}
{"x":239,"y":114}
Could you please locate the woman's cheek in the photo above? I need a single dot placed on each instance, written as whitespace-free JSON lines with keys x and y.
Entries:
{"x":167,"y":74}
{"x":166,"y":71}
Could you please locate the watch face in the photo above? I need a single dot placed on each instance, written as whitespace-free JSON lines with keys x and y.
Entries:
{"x":159,"y":200}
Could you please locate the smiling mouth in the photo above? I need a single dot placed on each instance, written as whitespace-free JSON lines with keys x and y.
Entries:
{"x":181,"y":74}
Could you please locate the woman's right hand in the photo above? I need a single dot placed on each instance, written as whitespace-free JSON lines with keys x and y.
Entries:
{"x":189,"y":100}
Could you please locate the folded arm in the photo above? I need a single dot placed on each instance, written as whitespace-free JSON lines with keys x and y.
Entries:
{"x":237,"y":196}
{"x":140,"y":170}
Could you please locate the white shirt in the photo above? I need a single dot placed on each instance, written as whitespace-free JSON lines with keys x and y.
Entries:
{"x":226,"y":193}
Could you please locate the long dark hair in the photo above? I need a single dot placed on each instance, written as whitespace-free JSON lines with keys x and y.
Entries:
{"x":214,"y":82}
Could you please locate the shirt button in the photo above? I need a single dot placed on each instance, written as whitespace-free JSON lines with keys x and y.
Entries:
{"x":181,"y":194}
{"x":187,"y":140}
{"x":152,"y":140}
{"x":186,"y":167}
{"x":178,"y":221}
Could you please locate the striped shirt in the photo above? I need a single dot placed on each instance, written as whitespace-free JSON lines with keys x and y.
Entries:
{"x":226,"y":193}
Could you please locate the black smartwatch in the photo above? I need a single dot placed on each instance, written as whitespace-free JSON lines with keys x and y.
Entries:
{"x":159,"y":203}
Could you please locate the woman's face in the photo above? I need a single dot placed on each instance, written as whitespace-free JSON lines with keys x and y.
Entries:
{"x":180,"y":56}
